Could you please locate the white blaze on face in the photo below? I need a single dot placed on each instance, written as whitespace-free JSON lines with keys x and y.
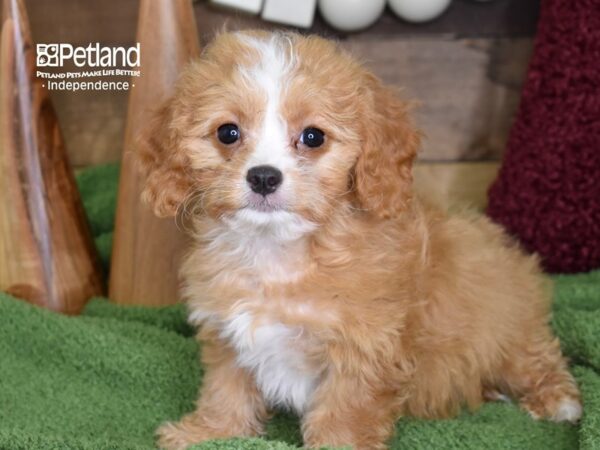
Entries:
{"x":270,"y":75}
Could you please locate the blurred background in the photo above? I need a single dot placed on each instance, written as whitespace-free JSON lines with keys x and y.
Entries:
{"x":465,"y":68}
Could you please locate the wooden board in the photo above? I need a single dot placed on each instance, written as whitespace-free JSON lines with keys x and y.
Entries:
{"x":467,"y":89}
{"x":465,"y":68}
{"x":455,"y":185}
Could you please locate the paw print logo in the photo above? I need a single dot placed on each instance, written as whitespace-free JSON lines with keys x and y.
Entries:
{"x":47,"y":55}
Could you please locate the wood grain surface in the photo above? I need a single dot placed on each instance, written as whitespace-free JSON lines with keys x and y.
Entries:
{"x":455,"y":186}
{"x":146,"y":249}
{"x":465,"y":68}
{"x":47,"y":256}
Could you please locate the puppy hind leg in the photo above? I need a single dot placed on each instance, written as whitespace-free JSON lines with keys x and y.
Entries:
{"x":537,"y":375}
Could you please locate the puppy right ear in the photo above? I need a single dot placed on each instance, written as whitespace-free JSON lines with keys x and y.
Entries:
{"x":163,"y":163}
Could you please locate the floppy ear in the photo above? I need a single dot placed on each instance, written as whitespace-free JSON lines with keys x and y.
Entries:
{"x":164,"y":164}
{"x":383,"y":178}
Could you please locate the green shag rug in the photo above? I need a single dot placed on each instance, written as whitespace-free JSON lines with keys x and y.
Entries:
{"x":107,"y":379}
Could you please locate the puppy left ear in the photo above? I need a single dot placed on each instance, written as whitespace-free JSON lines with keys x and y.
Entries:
{"x":383,"y":172}
{"x":163,"y":163}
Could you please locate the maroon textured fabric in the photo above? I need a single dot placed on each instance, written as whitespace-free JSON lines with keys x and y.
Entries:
{"x":547,"y":193}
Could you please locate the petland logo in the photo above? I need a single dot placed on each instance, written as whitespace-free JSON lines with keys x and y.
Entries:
{"x":55,"y":55}
{"x":102,"y":59}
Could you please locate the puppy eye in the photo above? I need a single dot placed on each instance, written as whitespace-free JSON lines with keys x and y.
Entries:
{"x":312,"y":137}
{"x":228,"y":133}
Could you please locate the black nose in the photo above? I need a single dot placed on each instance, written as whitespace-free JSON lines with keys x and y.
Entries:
{"x":264,"y":179}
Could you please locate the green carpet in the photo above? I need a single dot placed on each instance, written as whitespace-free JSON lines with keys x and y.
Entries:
{"x":107,"y":379}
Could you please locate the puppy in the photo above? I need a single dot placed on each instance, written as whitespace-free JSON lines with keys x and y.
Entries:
{"x":318,"y":282}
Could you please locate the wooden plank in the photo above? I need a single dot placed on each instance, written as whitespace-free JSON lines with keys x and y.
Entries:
{"x":92,"y":121}
{"x":82,"y":22}
{"x":455,"y":185}
{"x":467,"y":89}
{"x":114,"y":20}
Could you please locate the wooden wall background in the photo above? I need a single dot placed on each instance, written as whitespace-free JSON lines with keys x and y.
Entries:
{"x":465,"y":69}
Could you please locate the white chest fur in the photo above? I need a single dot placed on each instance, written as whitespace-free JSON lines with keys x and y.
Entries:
{"x":275,"y":354}
{"x":249,"y":250}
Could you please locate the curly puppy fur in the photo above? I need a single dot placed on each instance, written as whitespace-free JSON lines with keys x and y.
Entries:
{"x":339,"y":296}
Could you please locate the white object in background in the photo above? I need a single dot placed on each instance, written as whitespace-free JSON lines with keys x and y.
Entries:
{"x":418,"y":10}
{"x":351,"y":15}
{"x":298,"y":13}
{"x":249,"y":6}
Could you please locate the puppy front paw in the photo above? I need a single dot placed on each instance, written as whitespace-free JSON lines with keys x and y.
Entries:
{"x":569,"y":410}
{"x":181,"y":435}
{"x":563,"y":409}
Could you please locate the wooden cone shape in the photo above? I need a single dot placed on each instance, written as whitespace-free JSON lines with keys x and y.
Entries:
{"x":146,"y":249}
{"x":47,"y":256}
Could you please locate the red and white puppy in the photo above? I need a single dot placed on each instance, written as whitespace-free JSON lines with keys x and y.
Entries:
{"x":318,"y":282}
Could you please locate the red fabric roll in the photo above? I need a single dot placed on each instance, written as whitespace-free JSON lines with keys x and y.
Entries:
{"x":547,"y":193}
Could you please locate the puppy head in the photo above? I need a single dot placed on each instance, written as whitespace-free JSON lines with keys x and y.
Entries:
{"x":278,"y":128}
